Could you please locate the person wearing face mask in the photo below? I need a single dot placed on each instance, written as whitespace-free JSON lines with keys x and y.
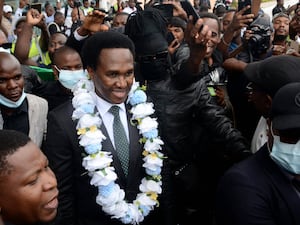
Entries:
{"x":264,"y":189}
{"x":68,"y":70}
{"x":20,"y":111}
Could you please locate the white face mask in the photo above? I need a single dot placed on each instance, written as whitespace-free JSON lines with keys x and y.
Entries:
{"x":11,"y":104}
{"x":7,"y":50}
{"x":68,"y":78}
{"x":286,"y":155}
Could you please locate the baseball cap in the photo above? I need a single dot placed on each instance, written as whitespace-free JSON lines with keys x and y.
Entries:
{"x":274,"y":72}
{"x":286,"y":107}
{"x":7,"y":9}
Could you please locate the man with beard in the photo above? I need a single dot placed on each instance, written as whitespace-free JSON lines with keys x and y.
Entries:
{"x":20,"y":111}
{"x":281,"y":31}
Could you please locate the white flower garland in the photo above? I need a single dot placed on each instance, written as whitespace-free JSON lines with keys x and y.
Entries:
{"x":98,"y":162}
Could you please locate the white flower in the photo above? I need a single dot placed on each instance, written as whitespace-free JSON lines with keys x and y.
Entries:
{"x":88,"y":120}
{"x":134,"y":86}
{"x":119,"y":209}
{"x":150,"y":186}
{"x":104,"y":176}
{"x":142,"y":110}
{"x":97,"y":161}
{"x":153,"y":145}
{"x":91,"y":138}
{"x":84,"y":85}
{"x":147,"y":124}
{"x":116,"y":196}
{"x":152,"y":162}
{"x":144,"y":199}
{"x":81,"y":99}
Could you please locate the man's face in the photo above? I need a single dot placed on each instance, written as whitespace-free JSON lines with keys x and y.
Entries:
{"x":56,"y":41}
{"x":119,"y":20}
{"x":177,"y":32}
{"x":114,"y":74}
{"x":281,"y":26}
{"x":11,"y":78}
{"x":215,"y":35}
{"x":7,"y":15}
{"x":227,"y":19}
{"x":67,"y":61}
{"x":71,"y":3}
{"x":29,"y":192}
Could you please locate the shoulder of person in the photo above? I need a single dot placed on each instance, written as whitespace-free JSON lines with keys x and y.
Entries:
{"x":34,"y":99}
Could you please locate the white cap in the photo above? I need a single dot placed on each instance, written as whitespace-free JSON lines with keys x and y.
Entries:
{"x":7,"y":8}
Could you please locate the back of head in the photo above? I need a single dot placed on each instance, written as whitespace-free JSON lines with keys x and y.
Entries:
{"x":274,"y":72}
{"x":286,"y":108}
{"x":147,"y":29}
{"x":10,"y":142}
{"x":103,"y":40}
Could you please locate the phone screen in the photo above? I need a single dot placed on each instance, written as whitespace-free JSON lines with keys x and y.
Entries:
{"x":37,"y":6}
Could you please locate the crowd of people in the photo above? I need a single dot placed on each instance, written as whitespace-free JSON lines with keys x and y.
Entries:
{"x":147,"y":115}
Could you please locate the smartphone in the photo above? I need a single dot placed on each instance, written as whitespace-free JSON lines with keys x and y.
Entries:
{"x":165,"y":9}
{"x":170,"y":37}
{"x":242,"y":4}
{"x":190,"y":10}
{"x":37,"y":6}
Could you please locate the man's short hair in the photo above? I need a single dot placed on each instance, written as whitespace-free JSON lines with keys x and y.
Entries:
{"x":104,"y":40}
{"x":10,"y":142}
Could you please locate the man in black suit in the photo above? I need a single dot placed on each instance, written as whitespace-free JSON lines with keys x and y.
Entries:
{"x":264,"y":189}
{"x":109,"y":59}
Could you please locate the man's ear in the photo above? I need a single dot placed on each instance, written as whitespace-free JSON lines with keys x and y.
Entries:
{"x":55,"y":72}
{"x":91,"y":72}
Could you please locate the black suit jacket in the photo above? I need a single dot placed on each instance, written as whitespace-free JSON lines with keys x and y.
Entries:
{"x":77,"y":198}
{"x":256,"y":191}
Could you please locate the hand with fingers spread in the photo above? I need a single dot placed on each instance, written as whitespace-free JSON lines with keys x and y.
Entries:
{"x":92,"y":23}
{"x":197,"y":36}
{"x":241,"y":20}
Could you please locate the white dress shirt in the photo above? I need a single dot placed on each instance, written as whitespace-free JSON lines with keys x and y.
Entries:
{"x":108,"y":119}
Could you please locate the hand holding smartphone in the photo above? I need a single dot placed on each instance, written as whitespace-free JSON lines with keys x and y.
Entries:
{"x":190,"y":10}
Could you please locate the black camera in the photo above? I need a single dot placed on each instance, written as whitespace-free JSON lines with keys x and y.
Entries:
{"x":77,"y":3}
{"x":260,"y":40}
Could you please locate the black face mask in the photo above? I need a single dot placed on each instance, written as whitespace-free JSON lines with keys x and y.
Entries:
{"x":154,"y":67}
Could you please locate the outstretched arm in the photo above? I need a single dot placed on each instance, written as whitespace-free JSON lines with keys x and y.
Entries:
{"x":23,"y":43}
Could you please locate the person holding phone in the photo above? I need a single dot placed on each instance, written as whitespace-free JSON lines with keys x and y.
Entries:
{"x":177,"y":48}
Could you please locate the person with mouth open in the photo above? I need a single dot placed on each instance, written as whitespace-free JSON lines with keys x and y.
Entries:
{"x":28,"y":186}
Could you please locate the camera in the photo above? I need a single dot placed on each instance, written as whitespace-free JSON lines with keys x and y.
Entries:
{"x":77,"y":3}
{"x":260,"y":40}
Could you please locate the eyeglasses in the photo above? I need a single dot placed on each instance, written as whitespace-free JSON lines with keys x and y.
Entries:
{"x":150,"y":58}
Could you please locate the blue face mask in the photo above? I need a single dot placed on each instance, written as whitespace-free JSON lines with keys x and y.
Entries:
{"x":286,"y":155}
{"x":11,"y":104}
{"x":68,"y":78}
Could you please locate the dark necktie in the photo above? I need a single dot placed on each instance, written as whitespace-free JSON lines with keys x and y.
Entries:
{"x":120,"y":139}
